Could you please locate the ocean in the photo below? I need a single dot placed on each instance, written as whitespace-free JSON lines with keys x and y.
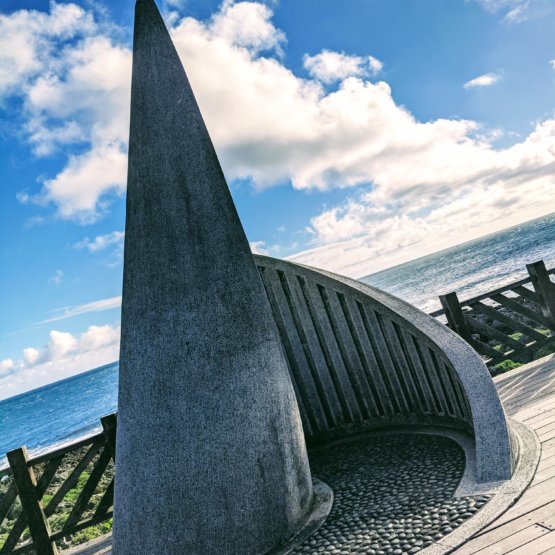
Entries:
{"x":61,"y":412}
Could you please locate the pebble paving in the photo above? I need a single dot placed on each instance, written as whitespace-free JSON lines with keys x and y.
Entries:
{"x":394,"y":495}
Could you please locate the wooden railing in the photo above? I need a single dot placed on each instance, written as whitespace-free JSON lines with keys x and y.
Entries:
{"x":54,"y":495}
{"x":513,"y":322}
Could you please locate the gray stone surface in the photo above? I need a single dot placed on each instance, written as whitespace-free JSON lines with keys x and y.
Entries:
{"x":495,"y":457}
{"x":210,"y":447}
{"x":394,"y":494}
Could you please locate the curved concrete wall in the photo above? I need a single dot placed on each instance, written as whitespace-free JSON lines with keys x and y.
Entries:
{"x":362,"y":359}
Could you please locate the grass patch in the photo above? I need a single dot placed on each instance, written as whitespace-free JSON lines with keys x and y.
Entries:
{"x":505,"y":366}
{"x":63,"y":510}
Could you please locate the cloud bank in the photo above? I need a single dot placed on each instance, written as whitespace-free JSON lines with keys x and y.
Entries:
{"x":64,"y":355}
{"x":414,"y":182}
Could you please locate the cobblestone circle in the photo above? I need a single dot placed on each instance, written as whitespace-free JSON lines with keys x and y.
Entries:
{"x":394,"y":495}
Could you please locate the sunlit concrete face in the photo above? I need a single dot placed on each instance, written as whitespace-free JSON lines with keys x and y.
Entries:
{"x":210,"y":448}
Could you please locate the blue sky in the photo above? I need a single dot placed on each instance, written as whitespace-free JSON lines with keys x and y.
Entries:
{"x":354,"y":136}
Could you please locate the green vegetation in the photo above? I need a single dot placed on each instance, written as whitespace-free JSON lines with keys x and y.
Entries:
{"x":504,"y":366}
{"x":546,"y":350}
{"x":63,"y":510}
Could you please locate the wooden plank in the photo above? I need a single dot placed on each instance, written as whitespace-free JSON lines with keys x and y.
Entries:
{"x":520,"y":309}
{"x":537,"y":546}
{"x":524,"y":413}
{"x":106,"y":502}
{"x":401,"y":362}
{"x":304,"y":375}
{"x":527,"y":294}
{"x":529,"y":387}
{"x":548,"y":460}
{"x":544,"y":287}
{"x":372,"y":367}
{"x":533,"y":498}
{"x":109,"y":425}
{"x":410,"y":344}
{"x":529,"y":398}
{"x":88,"y":489}
{"x":507,"y":320}
{"x":455,"y":316}
{"x":71,"y":481}
{"x":489,"y":538}
{"x":387,"y":367}
{"x":548,"y":434}
{"x":545,"y":426}
{"x":526,"y":401}
{"x":26,"y":484}
{"x":323,"y":323}
{"x":485,"y":349}
{"x":82,"y":525}
{"x":322,"y":374}
{"x":64,"y":450}
{"x":15,"y":533}
{"x":513,"y":541}
{"x":543,"y":475}
{"x":505,"y":288}
{"x":369,"y":372}
{"x":546,"y":416}
{"x":342,"y":321}
{"x":432,"y":371}
{"x":483,"y":329}
{"x":46,"y":477}
{"x":6,"y":501}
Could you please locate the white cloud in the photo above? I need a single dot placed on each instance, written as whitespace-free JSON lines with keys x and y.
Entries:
{"x":95,"y":306}
{"x":30,"y":356}
{"x":56,"y":279}
{"x":517,"y":11}
{"x":28,"y":38}
{"x":101,"y":242}
{"x":414,"y":174}
{"x":6,"y":366}
{"x":64,"y":355}
{"x":63,"y":345}
{"x":482,"y":81}
{"x":60,"y":344}
{"x":375,"y":64}
{"x":75,"y":80}
{"x":246,"y":24}
{"x":552,"y":63}
{"x":258,"y":247}
{"x":99,"y":336}
{"x":329,"y":66}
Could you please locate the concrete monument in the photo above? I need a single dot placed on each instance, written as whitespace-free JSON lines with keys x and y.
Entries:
{"x":210,"y":450}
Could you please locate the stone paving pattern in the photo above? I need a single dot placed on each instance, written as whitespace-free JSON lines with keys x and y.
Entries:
{"x":394,"y":494}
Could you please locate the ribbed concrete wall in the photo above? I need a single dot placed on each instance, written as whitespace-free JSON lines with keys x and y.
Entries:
{"x":361,"y":359}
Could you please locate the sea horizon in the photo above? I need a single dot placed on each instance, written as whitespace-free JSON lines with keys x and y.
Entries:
{"x":65,"y":410}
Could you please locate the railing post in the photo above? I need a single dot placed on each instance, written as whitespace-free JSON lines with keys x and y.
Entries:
{"x":455,"y":315}
{"x":109,"y":424}
{"x":544,"y":288}
{"x":26,"y":483}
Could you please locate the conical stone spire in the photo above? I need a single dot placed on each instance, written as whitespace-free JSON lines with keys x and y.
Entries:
{"x":210,"y":449}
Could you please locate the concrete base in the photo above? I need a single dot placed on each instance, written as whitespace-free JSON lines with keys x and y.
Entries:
{"x":321,"y":507}
{"x":504,"y":494}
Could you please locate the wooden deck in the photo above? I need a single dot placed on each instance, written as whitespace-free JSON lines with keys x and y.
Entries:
{"x":528,"y":527}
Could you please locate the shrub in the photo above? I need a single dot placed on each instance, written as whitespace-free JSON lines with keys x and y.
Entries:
{"x":504,"y":366}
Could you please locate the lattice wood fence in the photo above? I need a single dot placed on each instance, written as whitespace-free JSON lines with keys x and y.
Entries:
{"x":52,"y":496}
{"x":515,"y":322}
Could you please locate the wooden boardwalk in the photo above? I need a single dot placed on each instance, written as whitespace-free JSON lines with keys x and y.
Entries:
{"x":528,"y":527}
